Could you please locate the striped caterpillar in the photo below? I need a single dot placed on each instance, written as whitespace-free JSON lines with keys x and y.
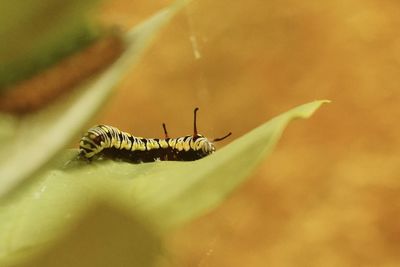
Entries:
{"x":109,"y":142}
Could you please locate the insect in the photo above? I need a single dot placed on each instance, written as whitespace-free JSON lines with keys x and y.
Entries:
{"x":109,"y":142}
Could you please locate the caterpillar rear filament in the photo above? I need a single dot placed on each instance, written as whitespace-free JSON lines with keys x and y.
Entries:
{"x":109,"y":142}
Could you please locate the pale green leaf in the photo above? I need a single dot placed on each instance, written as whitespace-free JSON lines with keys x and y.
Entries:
{"x":163,"y":194}
{"x":105,"y":236}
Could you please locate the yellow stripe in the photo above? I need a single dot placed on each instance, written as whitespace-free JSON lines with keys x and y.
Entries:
{"x":151,"y":143}
{"x":163,"y":143}
{"x":186,"y":145}
{"x":172,"y":142}
{"x":179,"y":145}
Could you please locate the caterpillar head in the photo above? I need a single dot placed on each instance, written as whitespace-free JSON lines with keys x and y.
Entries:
{"x":195,"y":146}
{"x":202,"y":143}
{"x":205,"y":146}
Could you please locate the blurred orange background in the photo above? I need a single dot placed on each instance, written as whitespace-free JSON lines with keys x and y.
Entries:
{"x":329,"y":195}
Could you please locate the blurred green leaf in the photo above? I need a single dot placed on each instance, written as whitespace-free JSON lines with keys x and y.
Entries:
{"x":105,"y":237}
{"x":162,"y":194}
{"x":34,"y":140}
{"x":35,"y":33}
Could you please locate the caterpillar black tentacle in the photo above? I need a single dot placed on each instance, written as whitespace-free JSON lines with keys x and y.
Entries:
{"x":109,"y":142}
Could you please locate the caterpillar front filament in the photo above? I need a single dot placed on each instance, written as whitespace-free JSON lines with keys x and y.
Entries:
{"x":109,"y":142}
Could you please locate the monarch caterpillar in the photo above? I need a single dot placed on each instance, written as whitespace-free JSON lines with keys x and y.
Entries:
{"x":110,"y":142}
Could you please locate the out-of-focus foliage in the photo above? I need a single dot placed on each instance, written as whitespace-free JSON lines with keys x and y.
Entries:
{"x":35,"y":33}
{"x":36,"y":138}
{"x":104,"y":236}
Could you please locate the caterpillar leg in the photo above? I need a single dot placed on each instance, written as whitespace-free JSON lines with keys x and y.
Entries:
{"x":81,"y":157}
